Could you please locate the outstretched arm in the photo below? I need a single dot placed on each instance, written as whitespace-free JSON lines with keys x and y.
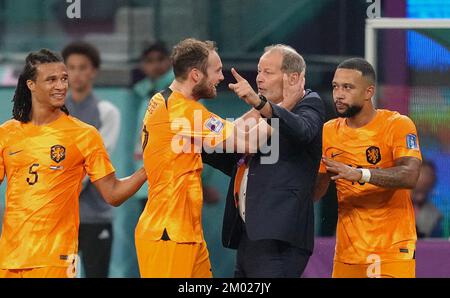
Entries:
{"x":116,"y":191}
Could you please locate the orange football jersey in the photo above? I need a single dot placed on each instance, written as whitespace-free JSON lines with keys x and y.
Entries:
{"x":174,"y":129}
{"x":372,"y":219}
{"x":44,"y":166}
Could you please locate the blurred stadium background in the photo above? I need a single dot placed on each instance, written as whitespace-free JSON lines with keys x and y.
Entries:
{"x":413,"y":68}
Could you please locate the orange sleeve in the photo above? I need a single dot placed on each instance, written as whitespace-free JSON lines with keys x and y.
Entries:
{"x":198,"y":122}
{"x":97,"y":163}
{"x":325,"y":132}
{"x":405,"y":141}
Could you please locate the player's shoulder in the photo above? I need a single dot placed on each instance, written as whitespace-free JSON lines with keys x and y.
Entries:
{"x":10,"y":125}
{"x":333,"y":124}
{"x":165,"y":94}
{"x":179,"y":104}
{"x":393,"y":118}
{"x":9,"y":128}
{"x":82,"y":132}
{"x":79,"y":127}
{"x":77,"y":123}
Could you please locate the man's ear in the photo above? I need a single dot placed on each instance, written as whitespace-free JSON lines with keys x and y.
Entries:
{"x":293,"y":78}
{"x":370,"y":92}
{"x":196,"y":75}
{"x":303,"y":79}
{"x":31,"y":85}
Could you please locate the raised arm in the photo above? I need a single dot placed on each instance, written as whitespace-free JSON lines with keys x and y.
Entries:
{"x":303,"y":123}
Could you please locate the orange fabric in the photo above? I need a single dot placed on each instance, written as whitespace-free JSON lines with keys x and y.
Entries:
{"x":175,"y":195}
{"x":162,"y":259}
{"x":372,"y":219}
{"x":43,"y":272}
{"x":393,"y":269}
{"x":44,"y":166}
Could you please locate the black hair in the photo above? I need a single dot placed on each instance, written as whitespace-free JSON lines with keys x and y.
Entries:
{"x":361,"y":65}
{"x":22,"y":96}
{"x":158,"y":46}
{"x":85,"y":49}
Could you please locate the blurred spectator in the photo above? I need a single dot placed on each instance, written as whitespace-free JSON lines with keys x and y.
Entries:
{"x":96,"y":233}
{"x":156,"y":65}
{"x":428,"y":217}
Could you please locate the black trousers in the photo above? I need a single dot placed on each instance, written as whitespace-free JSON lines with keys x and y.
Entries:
{"x":269,"y":259}
{"x":95,"y":241}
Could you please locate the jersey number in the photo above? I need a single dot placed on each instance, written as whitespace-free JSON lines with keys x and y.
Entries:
{"x":144,"y":143}
{"x":34,"y":178}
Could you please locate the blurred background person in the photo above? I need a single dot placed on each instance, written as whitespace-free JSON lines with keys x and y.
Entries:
{"x":96,"y":216}
{"x":428,"y":217}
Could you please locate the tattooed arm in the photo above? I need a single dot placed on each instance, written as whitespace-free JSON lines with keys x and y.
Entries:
{"x":403,"y":175}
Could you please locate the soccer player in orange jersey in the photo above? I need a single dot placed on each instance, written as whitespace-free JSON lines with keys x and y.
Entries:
{"x":44,"y":155}
{"x":169,"y":235}
{"x":373,"y":156}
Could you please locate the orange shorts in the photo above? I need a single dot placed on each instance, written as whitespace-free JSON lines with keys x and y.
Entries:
{"x":41,"y":272}
{"x":386,"y":269}
{"x":171,"y":259}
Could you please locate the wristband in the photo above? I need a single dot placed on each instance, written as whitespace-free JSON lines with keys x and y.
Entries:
{"x":365,"y":175}
{"x":262,"y":104}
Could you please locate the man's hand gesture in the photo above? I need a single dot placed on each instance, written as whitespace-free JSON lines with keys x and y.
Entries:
{"x":243,"y":89}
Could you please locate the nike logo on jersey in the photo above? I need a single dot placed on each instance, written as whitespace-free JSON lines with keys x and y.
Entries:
{"x":334,"y":154}
{"x":15,"y":152}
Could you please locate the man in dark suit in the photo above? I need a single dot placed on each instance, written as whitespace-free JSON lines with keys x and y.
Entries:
{"x":269,"y":215}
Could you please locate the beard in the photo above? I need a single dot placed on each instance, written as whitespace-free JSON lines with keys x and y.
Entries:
{"x":203,"y":90}
{"x":350,"y":112}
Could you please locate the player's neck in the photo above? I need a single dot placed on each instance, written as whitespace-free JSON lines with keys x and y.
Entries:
{"x":80,"y":95}
{"x":44,"y":115}
{"x":183,"y":88}
{"x":362,"y":118}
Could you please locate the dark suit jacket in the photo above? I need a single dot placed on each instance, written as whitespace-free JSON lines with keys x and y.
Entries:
{"x":279,"y":202}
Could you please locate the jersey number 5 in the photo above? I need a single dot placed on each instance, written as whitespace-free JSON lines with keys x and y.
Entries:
{"x":34,"y":178}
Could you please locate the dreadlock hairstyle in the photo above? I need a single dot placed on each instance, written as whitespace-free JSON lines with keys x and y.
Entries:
{"x":22,"y":96}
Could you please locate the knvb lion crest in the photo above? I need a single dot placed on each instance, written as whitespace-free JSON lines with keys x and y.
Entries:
{"x":57,"y":153}
{"x":373,"y":155}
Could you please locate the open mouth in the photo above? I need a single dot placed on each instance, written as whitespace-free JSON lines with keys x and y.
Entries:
{"x":59,"y":95}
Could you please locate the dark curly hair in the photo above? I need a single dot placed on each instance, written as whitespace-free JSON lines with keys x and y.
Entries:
{"x":22,"y":96}
{"x":85,"y":49}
